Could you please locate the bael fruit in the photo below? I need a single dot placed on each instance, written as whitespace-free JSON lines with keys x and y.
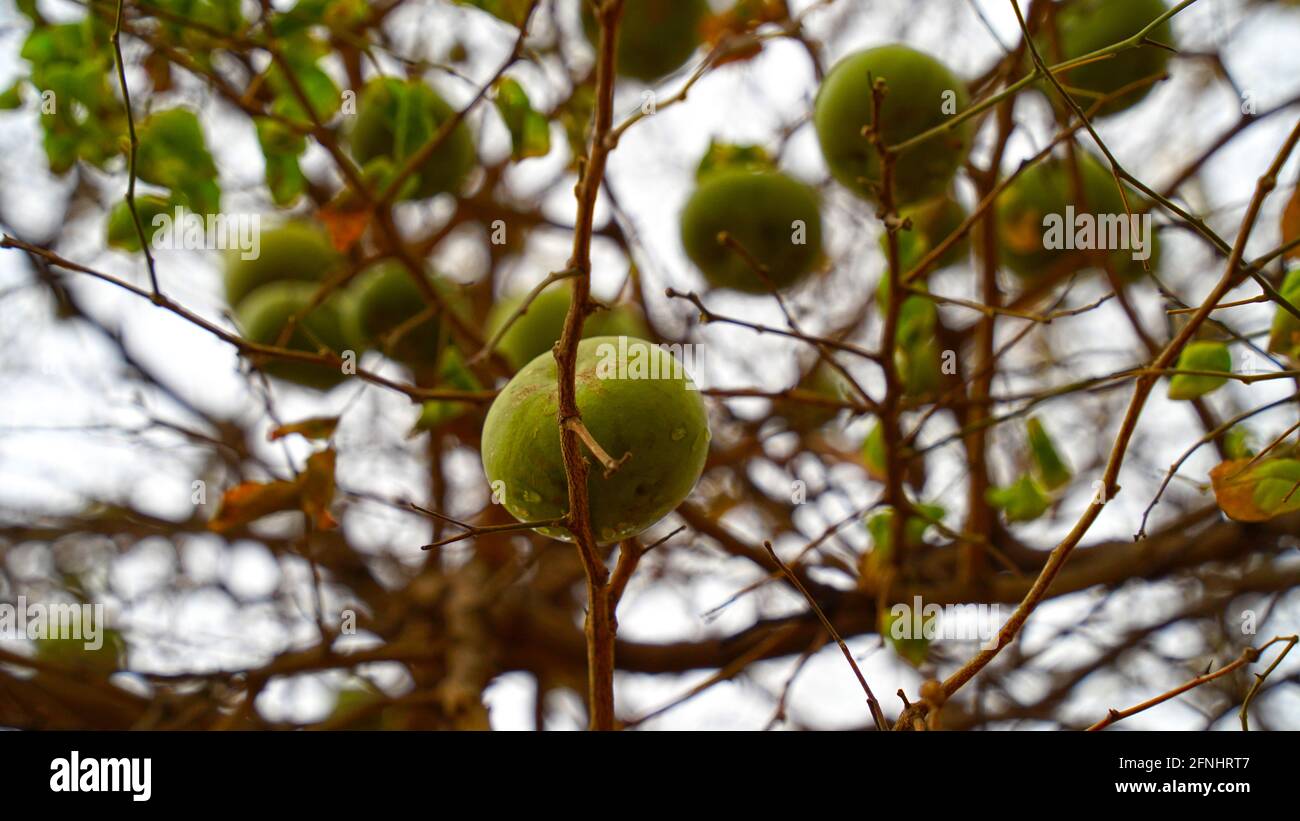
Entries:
{"x":387,"y":301}
{"x":637,"y":402}
{"x":395,"y":118}
{"x":655,"y":37}
{"x":298,"y":251}
{"x":1085,"y":26}
{"x":537,"y":330}
{"x":263,"y":314}
{"x":774,"y":218}
{"x":933,"y":221}
{"x":922,"y":93}
{"x":1046,"y":192}
{"x":822,"y":380}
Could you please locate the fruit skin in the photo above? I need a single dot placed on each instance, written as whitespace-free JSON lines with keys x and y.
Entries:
{"x":264,"y":312}
{"x":537,"y":330}
{"x":386,"y":298}
{"x":933,"y":221}
{"x":918,"y":86}
{"x":293,"y":251}
{"x":660,"y":422}
{"x":655,"y":37}
{"x":374,"y":133}
{"x":759,"y":209}
{"x":1084,"y":26}
{"x":1047,"y":188}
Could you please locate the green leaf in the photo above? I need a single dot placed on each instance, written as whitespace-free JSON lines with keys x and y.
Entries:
{"x":1048,"y":464}
{"x":173,"y":154}
{"x":530,"y":133}
{"x":1200,"y":356}
{"x":881,"y":528}
{"x":898,"y":630}
{"x":1238,"y":442}
{"x":1022,"y":501}
{"x":1284,"y":337}
{"x":11,"y":98}
{"x":873,"y":453}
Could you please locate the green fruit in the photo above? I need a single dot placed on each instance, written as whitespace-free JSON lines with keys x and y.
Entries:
{"x":72,"y":654}
{"x":823,"y":380}
{"x":387,"y":301}
{"x":775,"y":219}
{"x":395,"y":118}
{"x":454,"y":374}
{"x":922,"y":94}
{"x":1041,"y":196}
{"x":294,"y":251}
{"x":1084,"y":26}
{"x":537,"y":330}
{"x":264,"y":312}
{"x":1205,"y":355}
{"x":933,"y":222}
{"x":658,"y":423}
{"x":916,"y":353}
{"x":655,"y":37}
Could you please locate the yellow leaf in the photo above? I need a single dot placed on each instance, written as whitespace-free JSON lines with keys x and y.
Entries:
{"x":317,"y":427}
{"x":1291,"y":224}
{"x":249,"y":501}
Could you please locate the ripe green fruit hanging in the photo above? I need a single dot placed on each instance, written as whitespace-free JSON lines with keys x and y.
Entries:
{"x":933,"y":221}
{"x":803,"y":416}
{"x":655,"y":37}
{"x":264,"y":313}
{"x":1036,"y":210}
{"x":297,"y":251}
{"x":1084,"y":26}
{"x":637,"y":401}
{"x":775,"y":219}
{"x":922,"y":93}
{"x":537,"y":330}
{"x":388,"y":300}
{"x":395,"y":119}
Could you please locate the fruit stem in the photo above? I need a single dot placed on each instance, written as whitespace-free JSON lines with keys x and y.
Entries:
{"x":574,"y":423}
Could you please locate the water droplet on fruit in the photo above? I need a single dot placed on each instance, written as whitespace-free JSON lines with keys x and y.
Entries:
{"x":532,"y":496}
{"x":679,"y":434}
